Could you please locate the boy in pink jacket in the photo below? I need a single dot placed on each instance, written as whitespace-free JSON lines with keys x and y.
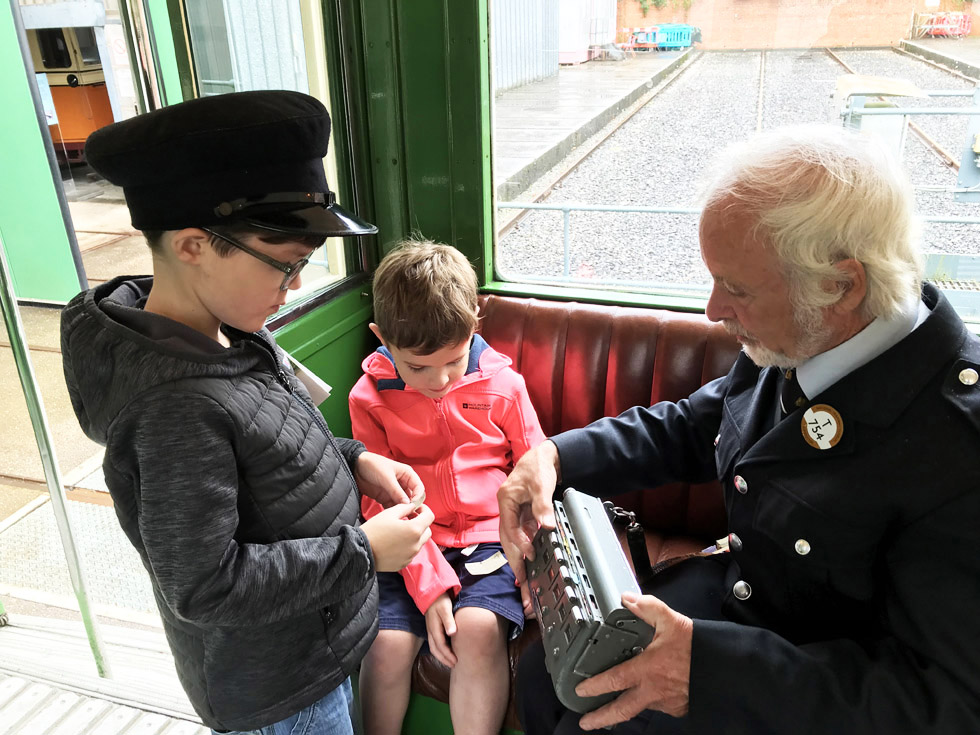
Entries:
{"x":437,"y":397}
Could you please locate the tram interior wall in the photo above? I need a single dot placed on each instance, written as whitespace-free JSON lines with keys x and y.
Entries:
{"x":765,"y":24}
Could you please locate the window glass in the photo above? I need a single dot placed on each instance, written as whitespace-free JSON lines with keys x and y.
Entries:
{"x":252,"y":44}
{"x":54,"y":48}
{"x":87,"y":48}
{"x":236,"y":46}
{"x":607,"y":115}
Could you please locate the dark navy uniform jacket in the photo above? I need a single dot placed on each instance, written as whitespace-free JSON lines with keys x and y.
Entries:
{"x":851,"y":601}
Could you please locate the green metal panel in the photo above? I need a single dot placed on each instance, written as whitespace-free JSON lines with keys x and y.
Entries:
{"x":31,"y":219}
{"x":348,"y":131}
{"x":385,"y":120}
{"x":331,"y":342}
{"x":425,"y":116}
{"x":169,"y":59}
{"x":673,"y":302}
{"x":427,"y":716}
{"x":426,"y":94}
{"x":469,"y":104}
{"x":424,"y":716}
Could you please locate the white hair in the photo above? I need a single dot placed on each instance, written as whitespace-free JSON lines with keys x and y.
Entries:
{"x":820,"y":194}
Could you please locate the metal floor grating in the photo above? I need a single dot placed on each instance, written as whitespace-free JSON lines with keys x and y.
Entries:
{"x":32,"y":558}
{"x":35,"y":708}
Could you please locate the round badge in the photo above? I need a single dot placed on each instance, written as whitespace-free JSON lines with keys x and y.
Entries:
{"x":822,"y":426}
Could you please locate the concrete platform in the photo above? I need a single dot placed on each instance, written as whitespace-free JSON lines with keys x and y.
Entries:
{"x":961,"y":54}
{"x":34,"y":565}
{"x":126,"y":254}
{"x":537,"y":125}
{"x":20,"y":458}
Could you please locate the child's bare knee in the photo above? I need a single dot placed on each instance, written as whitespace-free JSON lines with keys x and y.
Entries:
{"x":392,"y":654}
{"x":480,"y":632}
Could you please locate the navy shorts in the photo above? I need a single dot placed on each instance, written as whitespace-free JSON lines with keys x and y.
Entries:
{"x":495,"y":592}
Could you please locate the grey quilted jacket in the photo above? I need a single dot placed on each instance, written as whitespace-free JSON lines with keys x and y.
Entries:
{"x":240,"y":502}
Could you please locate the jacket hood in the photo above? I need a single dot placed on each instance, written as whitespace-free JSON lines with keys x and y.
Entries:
{"x":113,"y":350}
{"x":484,"y":362}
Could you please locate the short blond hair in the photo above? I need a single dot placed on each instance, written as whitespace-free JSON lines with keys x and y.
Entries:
{"x":425,"y":297}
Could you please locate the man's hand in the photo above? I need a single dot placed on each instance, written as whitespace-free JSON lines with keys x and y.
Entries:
{"x":385,"y":480}
{"x":394,"y":537}
{"x":659,"y":678}
{"x":525,"y":503}
{"x":440,"y":626}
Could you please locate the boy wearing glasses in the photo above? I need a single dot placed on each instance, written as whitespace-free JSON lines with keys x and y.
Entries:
{"x":241,"y":503}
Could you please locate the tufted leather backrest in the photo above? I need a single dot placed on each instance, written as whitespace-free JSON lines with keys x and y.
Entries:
{"x":584,"y":361}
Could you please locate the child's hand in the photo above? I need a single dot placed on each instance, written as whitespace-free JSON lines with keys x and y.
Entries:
{"x":385,"y":480}
{"x":440,"y":624}
{"x":395,"y":539}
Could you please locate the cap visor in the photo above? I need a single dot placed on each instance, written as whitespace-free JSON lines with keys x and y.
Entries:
{"x":332,"y":221}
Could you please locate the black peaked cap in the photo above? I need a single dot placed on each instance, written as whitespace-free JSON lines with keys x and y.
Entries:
{"x":253,"y":157}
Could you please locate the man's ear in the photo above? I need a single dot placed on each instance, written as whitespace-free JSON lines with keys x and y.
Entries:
{"x":853,"y":284}
{"x":377,"y":333}
{"x":188,"y":244}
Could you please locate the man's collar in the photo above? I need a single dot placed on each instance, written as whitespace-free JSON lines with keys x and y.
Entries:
{"x":823,"y":370}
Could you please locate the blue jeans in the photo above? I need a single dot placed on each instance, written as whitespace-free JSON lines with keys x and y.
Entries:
{"x":328,"y":716}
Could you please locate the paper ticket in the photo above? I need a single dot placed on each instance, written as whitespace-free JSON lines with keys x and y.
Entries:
{"x":488,"y":565}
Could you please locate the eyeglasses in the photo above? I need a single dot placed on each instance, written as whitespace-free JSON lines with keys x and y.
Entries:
{"x":290,"y":270}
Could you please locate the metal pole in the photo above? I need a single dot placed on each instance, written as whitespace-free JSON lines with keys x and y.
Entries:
{"x":35,"y":406}
{"x":566,"y":238}
{"x":567,"y":208}
{"x":108,"y":73}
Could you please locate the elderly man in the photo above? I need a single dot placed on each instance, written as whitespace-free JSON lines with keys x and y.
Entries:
{"x":846,"y":439}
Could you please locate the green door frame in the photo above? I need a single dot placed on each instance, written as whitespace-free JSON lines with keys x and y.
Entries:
{"x":35,"y":220}
{"x":419,"y":92}
{"x":171,"y":50}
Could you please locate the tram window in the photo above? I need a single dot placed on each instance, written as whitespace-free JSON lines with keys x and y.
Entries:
{"x":327,"y":266}
{"x":606,"y":116}
{"x":87,"y":47}
{"x":54,"y":48}
{"x":264,"y":46}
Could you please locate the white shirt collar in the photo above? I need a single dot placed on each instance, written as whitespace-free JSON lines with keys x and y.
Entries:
{"x":823,"y":370}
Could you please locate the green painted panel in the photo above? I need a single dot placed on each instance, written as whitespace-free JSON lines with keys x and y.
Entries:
{"x":425,"y":716}
{"x":31,"y":220}
{"x":426,"y":93}
{"x":426,"y":117}
{"x":469,"y":100}
{"x":384,"y":120}
{"x":672,"y":302}
{"x":332,"y":341}
{"x":165,"y":51}
{"x":428,"y":716}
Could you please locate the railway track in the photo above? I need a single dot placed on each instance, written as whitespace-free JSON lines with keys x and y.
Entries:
{"x":652,"y":157}
{"x":541,"y":191}
{"x":945,"y":156}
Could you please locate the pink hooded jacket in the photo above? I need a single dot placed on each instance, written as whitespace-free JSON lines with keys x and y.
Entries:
{"x":463,"y":446}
